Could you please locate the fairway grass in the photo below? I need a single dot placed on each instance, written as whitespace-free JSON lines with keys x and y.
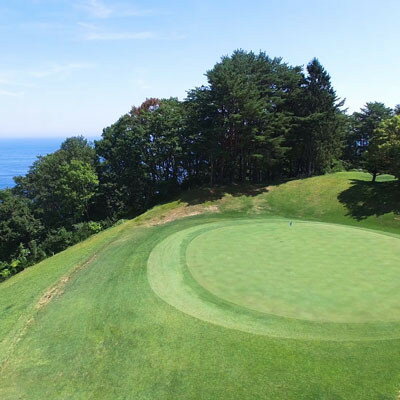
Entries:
{"x":119,"y":325}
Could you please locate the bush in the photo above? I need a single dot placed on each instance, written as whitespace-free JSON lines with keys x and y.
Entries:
{"x":57,"y":240}
{"x":337,"y":166}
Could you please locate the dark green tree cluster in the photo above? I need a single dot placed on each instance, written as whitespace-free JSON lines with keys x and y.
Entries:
{"x":362,"y":127}
{"x":49,"y":208}
{"x":141,"y":156}
{"x":372,"y":139}
{"x":383,"y":153}
{"x":259,"y":119}
{"x":256,"y":120}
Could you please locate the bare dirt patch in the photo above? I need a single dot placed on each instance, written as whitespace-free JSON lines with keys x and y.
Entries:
{"x":54,"y":291}
{"x":58,"y":288}
{"x":181,"y":212}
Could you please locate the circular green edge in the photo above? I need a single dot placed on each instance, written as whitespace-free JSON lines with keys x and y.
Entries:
{"x":335,"y":249}
{"x":171,"y":280}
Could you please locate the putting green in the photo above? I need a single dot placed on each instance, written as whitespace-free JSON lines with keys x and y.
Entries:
{"x":310,"y":280}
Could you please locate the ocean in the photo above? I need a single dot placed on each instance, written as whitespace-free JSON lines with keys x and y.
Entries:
{"x":17,"y":155}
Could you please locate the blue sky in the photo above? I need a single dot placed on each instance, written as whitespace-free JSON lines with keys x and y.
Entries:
{"x":72,"y":67}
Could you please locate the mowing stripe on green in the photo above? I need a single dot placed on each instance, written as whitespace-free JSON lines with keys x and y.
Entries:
{"x":306,"y":280}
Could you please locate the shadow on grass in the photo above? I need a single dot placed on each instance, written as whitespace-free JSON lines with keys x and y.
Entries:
{"x":364,"y":199}
{"x":203,"y":194}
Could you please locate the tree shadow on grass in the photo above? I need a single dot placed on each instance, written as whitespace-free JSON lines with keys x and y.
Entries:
{"x":203,"y":194}
{"x":364,"y":199}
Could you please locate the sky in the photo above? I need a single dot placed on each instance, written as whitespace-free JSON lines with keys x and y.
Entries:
{"x":71,"y":67}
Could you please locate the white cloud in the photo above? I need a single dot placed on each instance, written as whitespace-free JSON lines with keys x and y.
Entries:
{"x":119,"y":35}
{"x":59,"y":69}
{"x":10,"y":93}
{"x":13,"y":79}
{"x":43,"y":25}
{"x":141,"y":84}
{"x":5,"y":81}
{"x":87,"y":26}
{"x":132,"y":12}
{"x":12,"y":82}
{"x":97,"y":9}
{"x":94,"y":32}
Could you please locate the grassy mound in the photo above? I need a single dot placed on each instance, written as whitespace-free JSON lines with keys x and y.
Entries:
{"x":86,"y":323}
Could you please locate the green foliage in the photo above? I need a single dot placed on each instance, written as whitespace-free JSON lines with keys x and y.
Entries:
{"x":41,"y":215}
{"x":61,"y":184}
{"x":362,"y":127}
{"x":61,"y":238}
{"x":383,"y":155}
{"x":317,"y":140}
{"x":256,"y":121}
{"x":56,"y":240}
{"x":76,"y":186}
{"x":17,"y":224}
{"x":141,"y":156}
{"x":243,"y":116}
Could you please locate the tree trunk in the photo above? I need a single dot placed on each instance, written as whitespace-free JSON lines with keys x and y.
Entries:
{"x":212,"y":173}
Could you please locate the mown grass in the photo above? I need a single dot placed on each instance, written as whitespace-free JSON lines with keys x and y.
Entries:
{"x":302,"y":270}
{"x":106,"y":335}
{"x":21,"y":295}
{"x":172,"y":278}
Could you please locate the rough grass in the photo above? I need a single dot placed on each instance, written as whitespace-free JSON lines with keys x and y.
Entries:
{"x":107,"y":335}
{"x":344,"y":197}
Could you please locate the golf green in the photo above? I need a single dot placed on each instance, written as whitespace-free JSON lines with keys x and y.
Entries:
{"x":274,"y":277}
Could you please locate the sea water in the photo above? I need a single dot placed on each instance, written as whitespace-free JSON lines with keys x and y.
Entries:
{"x":17,"y":155}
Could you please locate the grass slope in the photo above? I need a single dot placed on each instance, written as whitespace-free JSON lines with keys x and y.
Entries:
{"x":86,"y":324}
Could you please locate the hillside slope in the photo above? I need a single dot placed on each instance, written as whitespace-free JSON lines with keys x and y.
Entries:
{"x":85,"y":323}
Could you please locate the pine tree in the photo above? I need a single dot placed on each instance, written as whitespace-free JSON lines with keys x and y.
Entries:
{"x":242,"y":115}
{"x":317,"y":142}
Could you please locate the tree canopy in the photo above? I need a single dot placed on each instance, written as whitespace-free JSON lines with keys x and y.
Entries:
{"x":362,"y":127}
{"x":257,"y":119}
{"x":383,"y":154}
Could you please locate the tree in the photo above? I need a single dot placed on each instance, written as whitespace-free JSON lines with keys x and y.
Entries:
{"x":165,"y":127}
{"x":243,"y":117}
{"x":141,"y":156}
{"x":78,"y":148}
{"x":383,"y":154}
{"x":77,"y":186}
{"x":61,"y":185}
{"x":317,"y":141}
{"x":388,"y":138}
{"x":363,"y":126}
{"x":17,"y":224}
